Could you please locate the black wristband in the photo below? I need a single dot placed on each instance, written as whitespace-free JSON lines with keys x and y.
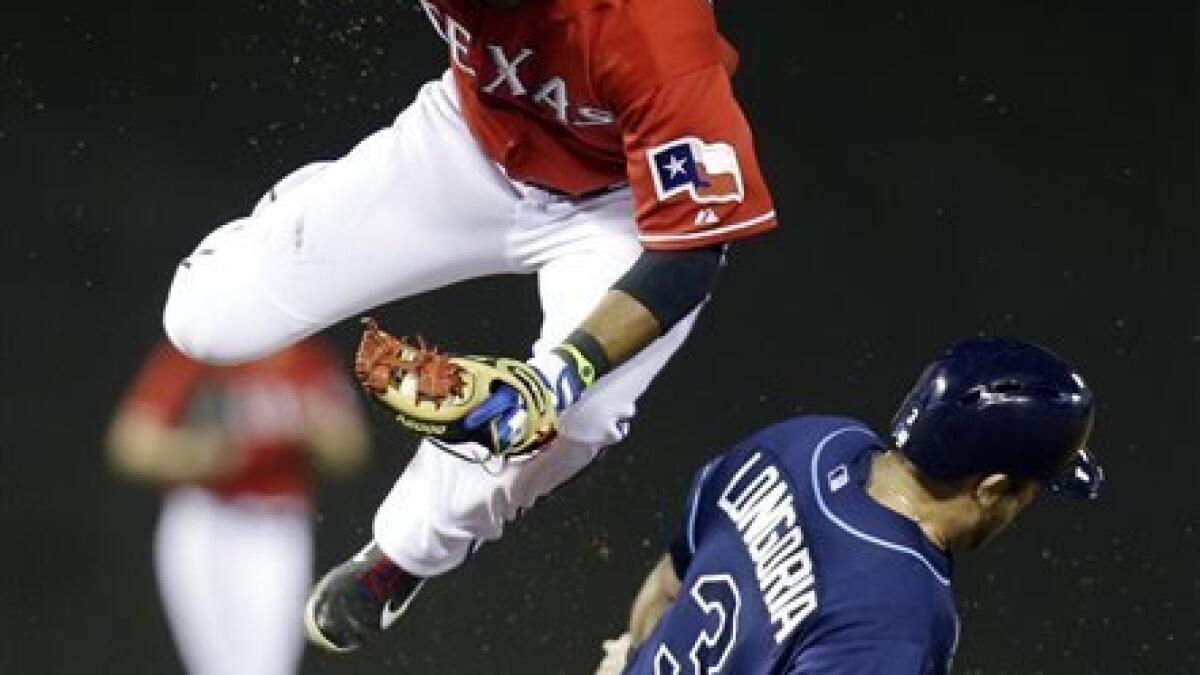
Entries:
{"x":586,"y":356}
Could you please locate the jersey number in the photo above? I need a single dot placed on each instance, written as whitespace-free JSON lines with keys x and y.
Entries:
{"x":717,"y":596}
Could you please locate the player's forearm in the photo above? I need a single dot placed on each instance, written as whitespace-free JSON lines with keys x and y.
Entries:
{"x":655,"y":294}
{"x":656,"y":595}
{"x":659,"y":291}
{"x":621,"y":326}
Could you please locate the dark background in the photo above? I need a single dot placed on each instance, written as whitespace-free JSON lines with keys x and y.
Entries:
{"x":941,"y":169}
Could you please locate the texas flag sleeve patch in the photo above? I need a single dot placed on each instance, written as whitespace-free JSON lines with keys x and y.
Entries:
{"x":691,"y":165}
{"x":707,"y":172}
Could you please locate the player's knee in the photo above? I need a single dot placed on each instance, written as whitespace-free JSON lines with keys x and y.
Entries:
{"x":208,"y":327}
{"x":192,"y":330}
{"x":181,"y":320}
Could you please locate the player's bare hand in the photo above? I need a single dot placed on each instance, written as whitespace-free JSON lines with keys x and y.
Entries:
{"x":616,"y":654}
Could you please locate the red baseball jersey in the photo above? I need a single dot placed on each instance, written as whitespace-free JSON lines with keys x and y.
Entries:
{"x":257,"y":405}
{"x":579,"y":95}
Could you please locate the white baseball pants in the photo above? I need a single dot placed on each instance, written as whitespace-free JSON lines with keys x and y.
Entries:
{"x":415,"y":207}
{"x":233,"y":575}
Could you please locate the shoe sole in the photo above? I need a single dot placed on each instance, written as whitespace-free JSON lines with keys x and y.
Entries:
{"x":311,"y":631}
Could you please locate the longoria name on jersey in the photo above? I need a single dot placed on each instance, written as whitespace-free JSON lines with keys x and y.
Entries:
{"x":760,"y":504}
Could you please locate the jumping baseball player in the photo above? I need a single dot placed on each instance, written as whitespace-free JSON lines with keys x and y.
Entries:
{"x":814,"y":546}
{"x":596,"y":143}
{"x":232,"y":447}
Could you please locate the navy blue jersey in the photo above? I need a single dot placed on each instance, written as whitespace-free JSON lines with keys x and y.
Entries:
{"x":789,"y":566}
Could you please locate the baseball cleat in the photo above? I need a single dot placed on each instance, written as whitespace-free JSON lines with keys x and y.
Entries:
{"x":358,"y":599}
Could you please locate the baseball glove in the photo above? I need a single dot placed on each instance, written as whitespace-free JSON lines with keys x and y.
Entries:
{"x":432,"y":392}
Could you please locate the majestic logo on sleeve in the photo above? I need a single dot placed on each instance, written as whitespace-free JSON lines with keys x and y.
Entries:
{"x":707,"y":172}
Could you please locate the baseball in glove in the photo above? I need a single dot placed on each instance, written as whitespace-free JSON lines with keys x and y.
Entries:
{"x":432,"y":393}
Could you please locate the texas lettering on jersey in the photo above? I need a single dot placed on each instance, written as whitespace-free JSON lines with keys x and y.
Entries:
{"x":582,"y":95}
{"x":505,"y":71}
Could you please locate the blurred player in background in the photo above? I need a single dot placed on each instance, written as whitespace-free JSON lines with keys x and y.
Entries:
{"x":596,"y":144}
{"x":233,"y":447}
{"x":815,"y":547}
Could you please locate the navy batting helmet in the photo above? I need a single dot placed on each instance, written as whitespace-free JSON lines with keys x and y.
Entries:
{"x":996,"y":405}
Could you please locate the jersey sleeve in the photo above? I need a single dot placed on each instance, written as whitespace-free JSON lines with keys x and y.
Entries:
{"x":864,"y":657}
{"x":164,"y":385}
{"x":692,"y":166}
{"x":684,"y":545}
{"x":689,"y":153}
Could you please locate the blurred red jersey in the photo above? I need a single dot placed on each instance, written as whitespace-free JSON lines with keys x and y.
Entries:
{"x":580,"y":95}
{"x":258,"y":406}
